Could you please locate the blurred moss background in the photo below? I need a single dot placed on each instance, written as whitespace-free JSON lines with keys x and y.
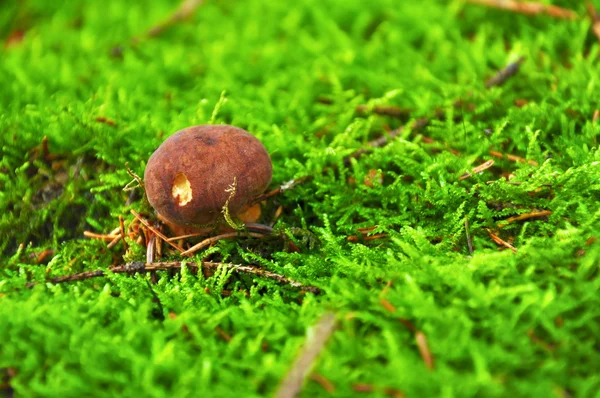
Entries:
{"x":104,"y":93}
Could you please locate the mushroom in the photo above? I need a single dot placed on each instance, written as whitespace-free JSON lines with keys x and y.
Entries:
{"x":203,"y":172}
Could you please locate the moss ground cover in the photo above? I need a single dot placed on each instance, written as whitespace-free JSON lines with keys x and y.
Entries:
{"x":480,"y":285}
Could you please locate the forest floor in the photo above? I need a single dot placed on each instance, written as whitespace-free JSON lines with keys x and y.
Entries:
{"x":441,"y":236}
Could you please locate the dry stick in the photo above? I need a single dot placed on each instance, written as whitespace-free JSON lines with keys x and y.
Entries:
{"x":421,"y":340}
{"x":185,"y":10}
{"x":211,"y":240}
{"x":527,"y":8}
{"x":477,"y":169}
{"x":150,"y":249}
{"x":526,"y":216}
{"x":292,"y":384}
{"x":513,"y":158}
{"x":122,"y":226}
{"x":356,"y":238}
{"x":140,"y":267}
{"x":501,"y":241}
{"x":323,"y":382}
{"x":504,"y":74}
{"x":93,"y":235}
{"x":595,"y":19}
{"x":156,"y":232}
{"x":469,"y":241}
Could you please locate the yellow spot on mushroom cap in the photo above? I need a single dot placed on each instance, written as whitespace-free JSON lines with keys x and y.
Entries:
{"x":182,"y":189}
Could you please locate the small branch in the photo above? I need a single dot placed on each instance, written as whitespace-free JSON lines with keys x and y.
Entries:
{"x":93,"y":235}
{"x":315,"y":343}
{"x":323,"y":382}
{"x":501,"y":242}
{"x":513,"y":158}
{"x":186,"y":9}
{"x":155,"y":231}
{"x":469,"y":241}
{"x":122,"y":227}
{"x":477,"y":169}
{"x":365,"y":238}
{"x":421,"y":340}
{"x":528,"y":8}
{"x":141,"y":267}
{"x":211,"y":240}
{"x":595,"y":19}
{"x":504,"y":74}
{"x":526,"y":216}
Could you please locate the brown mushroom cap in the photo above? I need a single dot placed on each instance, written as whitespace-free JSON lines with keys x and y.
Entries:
{"x":188,"y":177}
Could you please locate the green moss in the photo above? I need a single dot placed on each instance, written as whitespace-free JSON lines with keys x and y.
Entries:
{"x":498,"y":323}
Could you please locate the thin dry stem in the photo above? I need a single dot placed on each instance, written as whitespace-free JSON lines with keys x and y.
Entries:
{"x":513,"y":158}
{"x":500,"y":241}
{"x":141,"y":267}
{"x":504,"y":74}
{"x":526,"y":216}
{"x":211,"y":240}
{"x":292,"y":384}
{"x":423,"y":346}
{"x":478,"y":169}
{"x":155,"y":231}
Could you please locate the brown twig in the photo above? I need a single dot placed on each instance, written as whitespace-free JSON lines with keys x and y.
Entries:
{"x":223,"y":334}
{"x":141,"y":267}
{"x":105,"y":120}
{"x":155,"y":231}
{"x":469,"y":241}
{"x":211,"y":240}
{"x":41,"y":256}
{"x":595,"y":19}
{"x":315,"y":343}
{"x":186,"y":9}
{"x":513,"y":158}
{"x":93,"y":235}
{"x":365,"y":238}
{"x":501,"y":242}
{"x":528,"y":8}
{"x":363,"y":387}
{"x":504,"y":74}
{"x":122,"y":227}
{"x":136,"y":178}
{"x":526,"y":216}
{"x":478,"y":169}
{"x":421,"y":340}
{"x":323,"y":382}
